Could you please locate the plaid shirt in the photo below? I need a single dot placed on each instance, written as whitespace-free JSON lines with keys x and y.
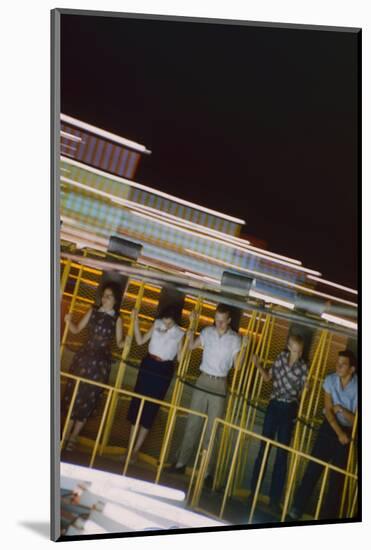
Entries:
{"x":288,"y":381}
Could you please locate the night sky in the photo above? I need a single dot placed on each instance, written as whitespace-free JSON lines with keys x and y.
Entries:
{"x":259,"y":123}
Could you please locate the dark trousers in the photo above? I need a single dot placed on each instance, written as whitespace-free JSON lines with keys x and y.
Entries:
{"x":278,"y":424}
{"x":328,"y":448}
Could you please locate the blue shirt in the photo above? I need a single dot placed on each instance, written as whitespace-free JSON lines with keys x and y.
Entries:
{"x":346,"y":397}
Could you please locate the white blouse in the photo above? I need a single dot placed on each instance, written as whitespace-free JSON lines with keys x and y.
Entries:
{"x":219,"y":351}
{"x":164,"y":342}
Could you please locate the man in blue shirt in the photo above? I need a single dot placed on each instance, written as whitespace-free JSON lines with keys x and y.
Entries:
{"x":332,"y":443}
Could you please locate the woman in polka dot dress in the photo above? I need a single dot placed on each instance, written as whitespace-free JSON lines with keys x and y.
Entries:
{"x":93,"y":360}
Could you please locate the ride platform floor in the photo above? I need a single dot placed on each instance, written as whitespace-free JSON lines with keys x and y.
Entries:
{"x":236,"y":511}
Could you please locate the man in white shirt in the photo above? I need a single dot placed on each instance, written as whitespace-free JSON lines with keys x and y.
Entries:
{"x":220,"y":346}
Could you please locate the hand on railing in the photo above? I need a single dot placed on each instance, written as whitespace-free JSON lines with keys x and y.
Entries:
{"x":190,"y":332}
{"x":192,"y":317}
{"x":256,"y":360}
{"x":245,"y":341}
{"x":68,"y":318}
{"x":343,"y":438}
{"x":121,"y":344}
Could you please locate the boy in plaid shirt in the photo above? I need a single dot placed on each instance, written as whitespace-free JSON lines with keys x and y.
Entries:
{"x":288,"y":374}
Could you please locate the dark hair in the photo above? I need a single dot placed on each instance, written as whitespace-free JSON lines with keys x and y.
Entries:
{"x":171,"y":312}
{"x":348,"y":353}
{"x":222,"y":308}
{"x":117,"y":294}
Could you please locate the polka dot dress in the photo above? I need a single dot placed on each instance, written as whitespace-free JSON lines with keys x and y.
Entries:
{"x":92,"y":361}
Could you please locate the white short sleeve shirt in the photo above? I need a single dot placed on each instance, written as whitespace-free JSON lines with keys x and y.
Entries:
{"x":164,"y":342}
{"x":218,"y":351}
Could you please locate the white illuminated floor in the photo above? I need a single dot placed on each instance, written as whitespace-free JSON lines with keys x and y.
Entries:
{"x":113,"y":503}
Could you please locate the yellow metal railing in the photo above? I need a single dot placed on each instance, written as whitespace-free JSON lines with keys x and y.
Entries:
{"x":351,"y":465}
{"x":269,"y":443}
{"x":179,"y":386}
{"x":248,"y":416}
{"x":121,"y":370}
{"x":173,"y":410}
{"x":73,"y":300}
{"x":245,"y":388}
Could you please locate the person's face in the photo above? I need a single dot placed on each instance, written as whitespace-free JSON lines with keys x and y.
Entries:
{"x":222,"y":321}
{"x":295,"y":349}
{"x":168,"y":322}
{"x":343,"y":367}
{"x":108,"y":299}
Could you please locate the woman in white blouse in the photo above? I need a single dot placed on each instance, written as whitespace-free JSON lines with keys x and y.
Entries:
{"x":156,"y":370}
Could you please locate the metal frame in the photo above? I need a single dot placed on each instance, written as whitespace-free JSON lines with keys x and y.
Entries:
{"x":173,"y":409}
{"x":269,"y":443}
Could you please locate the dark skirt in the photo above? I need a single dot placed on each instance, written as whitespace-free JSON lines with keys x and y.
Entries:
{"x":153,"y":380}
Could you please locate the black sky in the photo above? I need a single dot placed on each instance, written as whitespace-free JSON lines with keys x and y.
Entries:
{"x":259,"y":123}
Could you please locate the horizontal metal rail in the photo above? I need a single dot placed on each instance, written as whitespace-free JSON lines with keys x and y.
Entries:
{"x":269,"y":443}
{"x":173,"y":410}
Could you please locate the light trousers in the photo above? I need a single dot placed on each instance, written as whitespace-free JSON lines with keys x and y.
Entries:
{"x":212,"y":405}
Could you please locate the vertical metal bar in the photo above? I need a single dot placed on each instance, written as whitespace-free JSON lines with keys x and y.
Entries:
{"x":256,"y":345}
{"x":72,"y":304}
{"x":198,"y":453}
{"x":266,"y":343}
{"x":260,"y":478}
{"x":75,"y":389}
{"x":185,"y":356}
{"x":322,"y":370}
{"x":320,"y":373}
{"x":136,"y":427}
{"x":241,"y":466}
{"x":300,"y":430}
{"x":226,"y":448}
{"x":354,"y":503}
{"x":248,"y":420}
{"x":313,"y":388}
{"x":225,"y":445}
{"x":231,"y":472}
{"x":197,"y":489}
{"x":349,"y":460}
{"x":352,"y":484}
{"x":250,"y":381}
{"x":64,"y":279}
{"x":305,"y":391}
{"x":183,"y":364}
{"x":321,"y":493}
{"x":101,"y":424}
{"x":253,"y":324}
{"x":121,"y":370}
{"x":289,"y":486}
{"x":164,"y":449}
{"x":260,"y":350}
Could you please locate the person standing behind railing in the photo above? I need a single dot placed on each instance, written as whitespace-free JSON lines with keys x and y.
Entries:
{"x":288,"y":374}
{"x":332,"y":443}
{"x":156,"y":370}
{"x":220,"y":346}
{"x":94,"y":359}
